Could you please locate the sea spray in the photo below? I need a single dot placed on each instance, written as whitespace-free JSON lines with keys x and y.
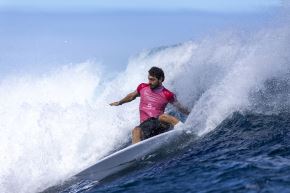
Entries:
{"x":221,"y":74}
{"x":51,"y":127}
{"x":55,"y":125}
{"x":240,"y":68}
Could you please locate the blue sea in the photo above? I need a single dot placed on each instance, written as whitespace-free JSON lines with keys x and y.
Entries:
{"x":245,"y":153}
{"x":60,"y":71}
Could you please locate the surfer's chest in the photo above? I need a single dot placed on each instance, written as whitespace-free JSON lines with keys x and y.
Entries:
{"x":154,"y":98}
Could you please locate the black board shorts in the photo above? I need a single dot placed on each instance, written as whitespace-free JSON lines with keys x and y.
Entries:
{"x":153,"y":126}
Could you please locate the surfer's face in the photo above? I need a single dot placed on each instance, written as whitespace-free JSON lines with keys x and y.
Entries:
{"x":153,"y":82}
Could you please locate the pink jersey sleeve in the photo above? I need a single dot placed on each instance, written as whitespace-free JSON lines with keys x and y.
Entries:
{"x":141,"y":86}
{"x":169,"y":96}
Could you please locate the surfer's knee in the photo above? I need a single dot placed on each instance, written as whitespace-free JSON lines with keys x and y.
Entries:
{"x":168,"y":119}
{"x":136,"y":135}
{"x":137,"y":131}
{"x":163,"y":117}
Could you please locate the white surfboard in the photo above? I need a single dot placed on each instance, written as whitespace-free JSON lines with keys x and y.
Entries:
{"x":126,"y":157}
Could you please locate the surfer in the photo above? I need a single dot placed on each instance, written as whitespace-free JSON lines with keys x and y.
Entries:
{"x":154,"y":98}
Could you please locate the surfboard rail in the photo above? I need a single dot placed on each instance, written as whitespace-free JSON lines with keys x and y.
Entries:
{"x":124,"y":158}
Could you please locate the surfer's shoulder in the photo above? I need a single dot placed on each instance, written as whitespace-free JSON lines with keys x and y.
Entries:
{"x":170,"y":96}
{"x":141,"y":86}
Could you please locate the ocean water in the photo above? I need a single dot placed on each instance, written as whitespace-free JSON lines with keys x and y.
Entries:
{"x":245,"y":153}
{"x":57,"y":123}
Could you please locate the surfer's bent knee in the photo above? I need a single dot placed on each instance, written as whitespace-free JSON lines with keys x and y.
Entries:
{"x":137,"y":131}
{"x":168,"y":119}
{"x":164,"y":117}
{"x":161,"y":117}
{"x":137,"y":135}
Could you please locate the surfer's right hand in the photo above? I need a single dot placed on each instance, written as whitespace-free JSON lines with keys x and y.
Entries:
{"x":115,"y":104}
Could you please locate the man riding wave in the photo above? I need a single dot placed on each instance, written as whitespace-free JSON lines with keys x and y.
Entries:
{"x":154,"y":98}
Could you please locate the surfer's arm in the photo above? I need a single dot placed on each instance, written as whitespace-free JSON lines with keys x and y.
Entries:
{"x":130,"y":97}
{"x":180,"y":107}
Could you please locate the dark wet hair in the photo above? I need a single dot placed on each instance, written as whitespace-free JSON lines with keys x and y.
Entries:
{"x":157,"y":72}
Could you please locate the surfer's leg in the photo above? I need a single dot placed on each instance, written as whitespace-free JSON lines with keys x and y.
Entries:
{"x":168,"y":119}
{"x":136,"y":135}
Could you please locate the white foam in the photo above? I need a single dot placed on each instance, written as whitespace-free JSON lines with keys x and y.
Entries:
{"x":53,"y":126}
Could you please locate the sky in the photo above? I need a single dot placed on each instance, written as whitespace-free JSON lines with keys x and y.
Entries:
{"x":163,"y":5}
{"x":32,"y":40}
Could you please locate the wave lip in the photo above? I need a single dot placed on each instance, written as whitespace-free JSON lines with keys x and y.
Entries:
{"x":55,"y":125}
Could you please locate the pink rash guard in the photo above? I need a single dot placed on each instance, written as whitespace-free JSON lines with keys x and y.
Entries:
{"x":153,"y":102}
